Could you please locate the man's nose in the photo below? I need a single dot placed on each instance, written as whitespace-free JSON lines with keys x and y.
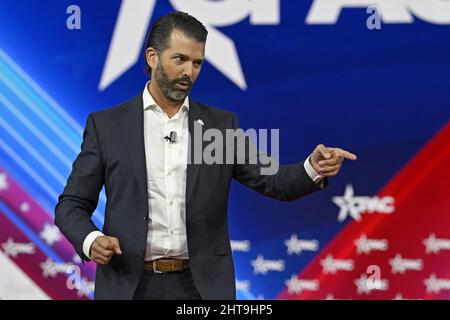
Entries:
{"x":188,"y":70}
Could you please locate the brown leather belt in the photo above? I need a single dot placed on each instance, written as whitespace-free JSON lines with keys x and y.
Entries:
{"x":166,"y":265}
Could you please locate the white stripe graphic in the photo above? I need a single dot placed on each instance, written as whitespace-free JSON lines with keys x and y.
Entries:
{"x":52,"y":103}
{"x":30,"y":104}
{"x":39,"y":180}
{"x":15,"y":284}
{"x":32,"y":151}
{"x":35,"y":131}
{"x":40,"y":114}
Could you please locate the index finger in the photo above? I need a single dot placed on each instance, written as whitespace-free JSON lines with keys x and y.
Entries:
{"x":117,"y":249}
{"x":345,"y":154}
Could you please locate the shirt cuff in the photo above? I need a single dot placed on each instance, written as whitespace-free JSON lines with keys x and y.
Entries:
{"x":312,"y":173}
{"x":89,"y":240}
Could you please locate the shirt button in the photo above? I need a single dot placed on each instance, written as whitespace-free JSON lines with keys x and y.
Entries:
{"x":171,"y":202}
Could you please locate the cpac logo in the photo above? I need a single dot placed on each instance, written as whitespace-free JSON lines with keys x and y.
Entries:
{"x":296,"y":246}
{"x":435,"y":245}
{"x":366,"y":246}
{"x":296,"y":285}
{"x":262,"y":266}
{"x":331,"y":265}
{"x":435,"y":285}
{"x":135,"y":15}
{"x":400,"y":265}
{"x":354,"y":206}
{"x":13,"y":249}
{"x":52,"y":269}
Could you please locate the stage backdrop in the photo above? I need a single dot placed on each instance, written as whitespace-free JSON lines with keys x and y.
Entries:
{"x":372,"y":80}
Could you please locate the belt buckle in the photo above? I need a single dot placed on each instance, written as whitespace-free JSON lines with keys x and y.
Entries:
{"x":154,"y":268}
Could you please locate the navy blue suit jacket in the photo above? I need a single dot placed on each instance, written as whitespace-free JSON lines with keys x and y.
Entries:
{"x":113,"y":155}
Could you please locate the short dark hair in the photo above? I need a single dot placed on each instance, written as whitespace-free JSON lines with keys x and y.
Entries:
{"x":158,"y":36}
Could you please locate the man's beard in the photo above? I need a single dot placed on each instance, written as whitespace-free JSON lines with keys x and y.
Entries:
{"x":168,"y":87}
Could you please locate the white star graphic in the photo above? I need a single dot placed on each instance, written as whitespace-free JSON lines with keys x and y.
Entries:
{"x":134,"y":18}
{"x":432,"y":284}
{"x":327,"y":264}
{"x":361,"y":245}
{"x":259,"y":265}
{"x":50,"y":233}
{"x":348,"y":204}
{"x":431,"y":244}
{"x":396,"y":264}
{"x":361,"y":285}
{"x":294,"y":285}
{"x":48,"y":268}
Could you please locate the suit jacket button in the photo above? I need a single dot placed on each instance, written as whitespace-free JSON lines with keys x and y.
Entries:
{"x":144,"y":218}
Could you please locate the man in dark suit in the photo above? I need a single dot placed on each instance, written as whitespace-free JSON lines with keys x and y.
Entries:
{"x":165,"y":234}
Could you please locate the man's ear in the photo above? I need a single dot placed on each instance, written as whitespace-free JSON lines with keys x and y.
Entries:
{"x":151,"y":55}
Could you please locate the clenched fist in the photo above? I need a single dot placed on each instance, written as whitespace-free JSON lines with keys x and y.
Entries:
{"x":103,"y":248}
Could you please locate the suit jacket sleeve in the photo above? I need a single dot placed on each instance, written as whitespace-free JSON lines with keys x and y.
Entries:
{"x":290,"y":183}
{"x":79,"y":198}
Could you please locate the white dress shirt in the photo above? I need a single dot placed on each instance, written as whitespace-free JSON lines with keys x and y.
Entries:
{"x":166,"y":181}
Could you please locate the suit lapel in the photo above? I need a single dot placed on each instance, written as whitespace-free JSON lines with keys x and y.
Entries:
{"x":132,"y":125}
{"x":195,"y":113}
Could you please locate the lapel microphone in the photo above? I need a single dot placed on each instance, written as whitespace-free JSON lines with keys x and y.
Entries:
{"x":172,"y":137}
